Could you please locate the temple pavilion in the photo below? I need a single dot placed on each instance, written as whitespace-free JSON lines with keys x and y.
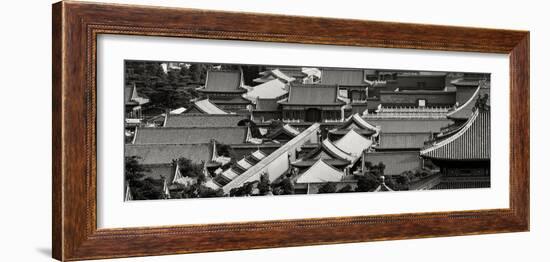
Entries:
{"x":463,"y":154}
{"x":224,"y":88}
{"x":312,"y":103}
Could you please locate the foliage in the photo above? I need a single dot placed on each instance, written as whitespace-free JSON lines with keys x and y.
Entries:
{"x":264,"y":185}
{"x":345,"y":189}
{"x":141,"y":189}
{"x":147,"y":188}
{"x":327,"y":188}
{"x":366,"y":183}
{"x":170,"y":90}
{"x":225,"y":150}
{"x":189,"y":169}
{"x":244,"y":190}
{"x":133,"y":170}
{"x":284,"y":187}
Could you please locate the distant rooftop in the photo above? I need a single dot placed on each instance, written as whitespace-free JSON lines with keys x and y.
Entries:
{"x":177,"y":135}
{"x":223,"y":81}
{"x":343,"y":77}
{"x":271,"y":89}
{"x":203,"y":120}
{"x":155,"y":154}
{"x":205,"y":106}
{"x":313,"y":94}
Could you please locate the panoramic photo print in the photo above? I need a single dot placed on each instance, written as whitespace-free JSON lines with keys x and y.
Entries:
{"x":202,"y":130}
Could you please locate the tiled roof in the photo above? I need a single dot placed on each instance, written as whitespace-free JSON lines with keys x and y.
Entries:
{"x":265,"y":104}
{"x":233,"y":100}
{"x":353,"y":143}
{"x":155,"y":154}
{"x":472,"y":142}
{"x":274,"y":74}
{"x":355,"y":121}
{"x":273,"y":159}
{"x":396,"y":162}
{"x":465,"y":110}
{"x":343,"y":77}
{"x":328,"y":150}
{"x":465,"y":82}
{"x":330,"y":161}
{"x":177,"y":135}
{"x":313,"y":94}
{"x":128,"y":91}
{"x":132,"y":97}
{"x":320,"y":172}
{"x":202,"y":120}
{"x":403,"y":140}
{"x":223,"y":81}
{"x":207,"y":107}
{"x":271,"y":89}
{"x":178,"y":111}
{"x":294,"y":72}
{"x":410,"y":125}
{"x":286,"y":129}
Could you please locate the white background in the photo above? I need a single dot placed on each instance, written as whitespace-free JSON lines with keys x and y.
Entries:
{"x":25,"y":136}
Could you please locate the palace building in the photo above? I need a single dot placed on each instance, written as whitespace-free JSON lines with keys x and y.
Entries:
{"x":463,"y":154}
{"x":312,"y":103}
{"x":225,"y":89}
{"x":133,"y":102}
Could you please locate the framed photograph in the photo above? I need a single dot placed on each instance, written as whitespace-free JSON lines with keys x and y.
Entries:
{"x":180,"y":130}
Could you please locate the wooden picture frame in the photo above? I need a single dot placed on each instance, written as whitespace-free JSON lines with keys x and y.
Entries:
{"x":76,"y":26}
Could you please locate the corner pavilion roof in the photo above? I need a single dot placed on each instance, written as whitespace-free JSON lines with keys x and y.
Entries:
{"x":223,"y":81}
{"x":356,"y":122}
{"x":353,"y":143}
{"x":465,"y":110}
{"x":313,"y":94}
{"x":320,"y":172}
{"x":328,"y":152}
{"x":472,"y":142}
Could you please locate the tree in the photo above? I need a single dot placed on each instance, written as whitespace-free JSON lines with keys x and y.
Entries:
{"x":244,"y":190}
{"x":225,"y":150}
{"x":142,"y":189}
{"x":381,"y":168}
{"x":287,"y":187}
{"x":206,"y":192}
{"x":345,"y":189}
{"x":327,"y":188}
{"x":133,"y":170}
{"x":366,"y":183}
{"x":264,"y":185}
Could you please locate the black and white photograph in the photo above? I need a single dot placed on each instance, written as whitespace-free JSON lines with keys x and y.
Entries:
{"x":202,"y":130}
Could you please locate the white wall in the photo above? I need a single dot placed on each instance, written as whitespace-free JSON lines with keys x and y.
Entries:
{"x":25,"y":134}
